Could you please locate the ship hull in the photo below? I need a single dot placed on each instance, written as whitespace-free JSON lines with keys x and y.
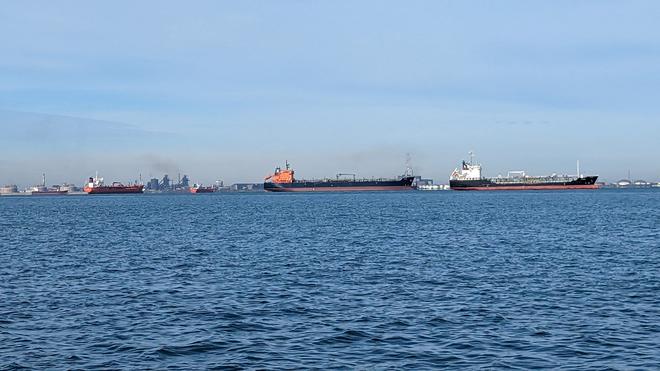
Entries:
{"x":404,"y":184}
{"x":50,"y":193}
{"x":489,"y":185}
{"x":202,"y":190}
{"x":114,"y":190}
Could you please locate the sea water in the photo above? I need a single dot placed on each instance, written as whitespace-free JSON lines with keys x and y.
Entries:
{"x":354,"y":280}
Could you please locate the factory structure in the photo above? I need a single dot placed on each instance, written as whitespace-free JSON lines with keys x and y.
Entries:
{"x":181,"y":184}
{"x":167,"y":185}
{"x":627,"y":183}
{"x":8,"y":189}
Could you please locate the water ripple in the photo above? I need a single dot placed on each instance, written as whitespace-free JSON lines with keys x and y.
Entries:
{"x":372,"y":280}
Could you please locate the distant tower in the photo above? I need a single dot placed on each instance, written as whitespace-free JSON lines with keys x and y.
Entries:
{"x":165,"y":183}
{"x":153,"y":184}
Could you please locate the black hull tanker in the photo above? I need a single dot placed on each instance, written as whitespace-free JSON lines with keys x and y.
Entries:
{"x":284,"y":181}
{"x":468,"y":178}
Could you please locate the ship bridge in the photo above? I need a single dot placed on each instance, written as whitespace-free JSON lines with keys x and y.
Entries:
{"x":468,"y":171}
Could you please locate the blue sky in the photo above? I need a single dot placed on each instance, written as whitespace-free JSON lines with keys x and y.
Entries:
{"x":229,"y":90}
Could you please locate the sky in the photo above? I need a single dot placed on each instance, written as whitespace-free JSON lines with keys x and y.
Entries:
{"x":230,"y":89}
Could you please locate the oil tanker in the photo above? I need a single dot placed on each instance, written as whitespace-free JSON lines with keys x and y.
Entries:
{"x":283,"y":180}
{"x":469,"y":178}
{"x":95,"y":185}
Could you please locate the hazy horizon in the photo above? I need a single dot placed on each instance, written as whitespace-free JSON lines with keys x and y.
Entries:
{"x":223,"y":90}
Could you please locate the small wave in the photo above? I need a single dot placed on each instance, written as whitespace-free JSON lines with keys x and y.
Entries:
{"x":438,"y":320}
{"x":346,"y":337}
{"x":74,"y":358}
{"x":193,"y":348}
{"x":13,"y":366}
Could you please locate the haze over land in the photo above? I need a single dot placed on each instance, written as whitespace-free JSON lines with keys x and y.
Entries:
{"x":229,"y":90}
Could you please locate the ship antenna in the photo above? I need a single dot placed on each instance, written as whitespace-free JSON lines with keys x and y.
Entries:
{"x":471,"y":157}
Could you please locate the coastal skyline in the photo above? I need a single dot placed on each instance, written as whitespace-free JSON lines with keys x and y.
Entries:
{"x":229,"y":91}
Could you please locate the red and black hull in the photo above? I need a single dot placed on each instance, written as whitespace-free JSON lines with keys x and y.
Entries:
{"x":403,"y":184}
{"x":588,"y":182}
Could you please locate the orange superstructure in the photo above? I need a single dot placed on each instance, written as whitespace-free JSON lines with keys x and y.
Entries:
{"x":282,"y":176}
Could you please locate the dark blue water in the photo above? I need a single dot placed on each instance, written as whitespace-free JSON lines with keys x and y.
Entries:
{"x":370,"y":280}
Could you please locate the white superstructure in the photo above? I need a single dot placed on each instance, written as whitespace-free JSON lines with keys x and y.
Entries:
{"x":468,"y":171}
{"x":96,"y":181}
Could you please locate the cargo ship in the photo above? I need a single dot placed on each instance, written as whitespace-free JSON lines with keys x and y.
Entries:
{"x":469,"y":178}
{"x":43,"y":190}
{"x":283,"y":180}
{"x":197,"y":188}
{"x":95,"y":185}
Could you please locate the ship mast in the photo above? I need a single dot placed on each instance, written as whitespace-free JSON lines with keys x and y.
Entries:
{"x":409,"y":169}
{"x":43,"y":179}
{"x":578,"y":169}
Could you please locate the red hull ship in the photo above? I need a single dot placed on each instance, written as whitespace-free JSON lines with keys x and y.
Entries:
{"x":199,"y":189}
{"x":95,"y":186}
